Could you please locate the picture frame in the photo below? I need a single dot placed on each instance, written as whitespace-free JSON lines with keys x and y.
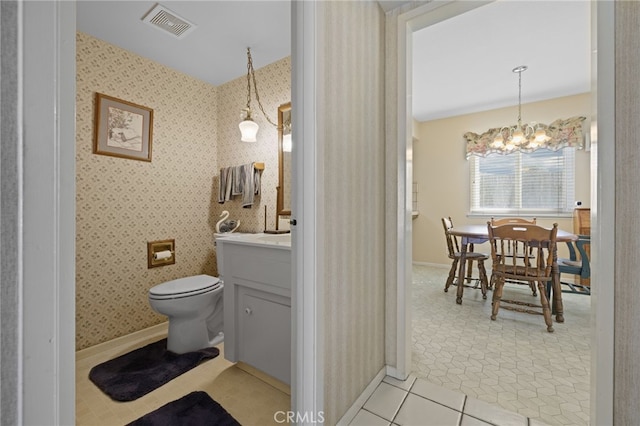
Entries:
{"x":122,"y":129}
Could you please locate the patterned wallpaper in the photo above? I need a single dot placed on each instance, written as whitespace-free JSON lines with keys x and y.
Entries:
{"x":351,"y":112}
{"x":122,"y":204}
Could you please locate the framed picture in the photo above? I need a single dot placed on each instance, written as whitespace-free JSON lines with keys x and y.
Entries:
{"x":122,"y":129}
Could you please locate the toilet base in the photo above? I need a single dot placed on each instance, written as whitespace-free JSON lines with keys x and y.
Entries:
{"x":190,"y":336}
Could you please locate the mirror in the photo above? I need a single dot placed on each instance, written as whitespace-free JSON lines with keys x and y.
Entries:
{"x":283,"y":203}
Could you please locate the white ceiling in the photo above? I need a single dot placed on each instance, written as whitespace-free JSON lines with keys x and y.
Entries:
{"x":215,"y":52}
{"x":464,"y":64}
{"x":469,"y":72}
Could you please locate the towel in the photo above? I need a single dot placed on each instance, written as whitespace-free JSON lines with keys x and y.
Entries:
{"x":226,"y":182}
{"x":237,"y":187}
{"x":251,"y":178}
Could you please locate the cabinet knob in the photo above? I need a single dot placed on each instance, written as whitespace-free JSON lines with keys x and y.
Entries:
{"x":248,"y":311}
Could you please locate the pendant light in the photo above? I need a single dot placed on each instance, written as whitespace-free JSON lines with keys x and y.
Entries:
{"x":527,"y":135}
{"x":248,"y":127}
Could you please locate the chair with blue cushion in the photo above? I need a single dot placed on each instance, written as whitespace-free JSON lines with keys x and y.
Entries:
{"x":578,"y":266}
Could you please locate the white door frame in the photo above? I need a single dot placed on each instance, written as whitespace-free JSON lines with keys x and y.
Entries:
{"x":307,"y":234}
{"x":44,"y":85}
{"x":602,"y":189}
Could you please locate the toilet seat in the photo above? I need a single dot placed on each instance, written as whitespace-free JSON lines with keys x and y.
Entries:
{"x":185,"y":287}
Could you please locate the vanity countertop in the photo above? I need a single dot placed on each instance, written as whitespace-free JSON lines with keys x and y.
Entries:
{"x":281,"y":241}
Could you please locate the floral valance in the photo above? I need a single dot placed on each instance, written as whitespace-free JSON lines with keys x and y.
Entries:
{"x":560,"y":134}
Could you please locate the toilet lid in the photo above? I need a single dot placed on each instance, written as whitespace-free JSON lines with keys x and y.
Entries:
{"x":185,"y":286}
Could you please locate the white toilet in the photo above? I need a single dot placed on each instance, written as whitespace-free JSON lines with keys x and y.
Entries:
{"x":194,"y":307}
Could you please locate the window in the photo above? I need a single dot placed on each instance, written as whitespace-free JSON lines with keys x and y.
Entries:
{"x":536,"y":183}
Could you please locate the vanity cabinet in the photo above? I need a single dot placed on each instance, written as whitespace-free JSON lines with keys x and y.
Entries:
{"x":257,"y":304}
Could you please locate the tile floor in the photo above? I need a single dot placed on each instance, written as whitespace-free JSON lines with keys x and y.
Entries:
{"x":512,"y":362}
{"x":419,"y":402}
{"x":235,"y":389}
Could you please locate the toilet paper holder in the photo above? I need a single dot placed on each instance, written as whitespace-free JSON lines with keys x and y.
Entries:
{"x":160,"y":253}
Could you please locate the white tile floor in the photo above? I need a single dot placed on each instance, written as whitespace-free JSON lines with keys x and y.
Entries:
{"x":418,"y":402}
{"x":469,"y":370}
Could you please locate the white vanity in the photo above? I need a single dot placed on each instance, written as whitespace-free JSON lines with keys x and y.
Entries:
{"x":256,"y":271}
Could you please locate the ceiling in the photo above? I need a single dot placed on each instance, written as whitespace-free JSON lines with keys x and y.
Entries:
{"x":215,"y":52}
{"x":470,"y":72}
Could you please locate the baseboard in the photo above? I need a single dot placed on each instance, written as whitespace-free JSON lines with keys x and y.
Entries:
{"x":359,"y":402}
{"x":158,"y":330}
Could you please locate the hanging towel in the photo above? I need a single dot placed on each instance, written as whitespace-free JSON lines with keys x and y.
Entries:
{"x":223,"y":186}
{"x":226,"y":177}
{"x":249,"y":189}
{"x":239,"y":173}
{"x":256,"y":181}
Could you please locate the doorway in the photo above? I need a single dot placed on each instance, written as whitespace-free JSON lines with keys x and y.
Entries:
{"x":420,"y":17}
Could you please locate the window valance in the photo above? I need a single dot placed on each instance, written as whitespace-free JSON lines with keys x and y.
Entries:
{"x":561,"y":134}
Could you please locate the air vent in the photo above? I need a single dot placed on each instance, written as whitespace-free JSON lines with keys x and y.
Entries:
{"x":162,"y":18}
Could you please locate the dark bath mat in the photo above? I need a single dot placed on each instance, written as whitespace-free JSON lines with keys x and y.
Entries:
{"x":143,"y":370}
{"x":194,"y":409}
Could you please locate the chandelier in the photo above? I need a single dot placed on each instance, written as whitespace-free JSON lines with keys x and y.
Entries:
{"x":248,"y":127}
{"x":529,"y":136}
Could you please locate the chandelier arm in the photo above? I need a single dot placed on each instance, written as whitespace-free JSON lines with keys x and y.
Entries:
{"x":251,"y":71}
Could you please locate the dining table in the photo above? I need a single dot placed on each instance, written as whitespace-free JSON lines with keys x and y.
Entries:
{"x":477,"y":234}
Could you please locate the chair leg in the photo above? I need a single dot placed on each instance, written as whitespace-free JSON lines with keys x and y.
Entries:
{"x":483,"y":278}
{"x":469,"y":270}
{"x":546,"y":309}
{"x":497,"y":295}
{"x":452,"y":275}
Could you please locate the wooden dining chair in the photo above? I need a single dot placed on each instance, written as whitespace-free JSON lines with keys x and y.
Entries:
{"x":538,"y":245}
{"x":518,"y":249}
{"x":453,"y":248}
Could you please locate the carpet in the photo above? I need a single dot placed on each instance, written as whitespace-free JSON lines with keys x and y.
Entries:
{"x":194,"y":409}
{"x":139,"y":372}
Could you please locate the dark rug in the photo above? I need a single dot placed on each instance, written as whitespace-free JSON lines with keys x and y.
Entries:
{"x":138,"y":372}
{"x":194,"y":409}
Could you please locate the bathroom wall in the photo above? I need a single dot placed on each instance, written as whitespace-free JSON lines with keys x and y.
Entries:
{"x":122,"y":204}
{"x":350,"y":116}
{"x":441,"y":170}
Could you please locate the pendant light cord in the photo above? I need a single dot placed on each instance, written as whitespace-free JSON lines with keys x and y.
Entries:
{"x":252,"y":76}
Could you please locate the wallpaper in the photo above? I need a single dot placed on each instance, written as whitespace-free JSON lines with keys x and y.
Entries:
{"x":351,"y":113}
{"x":122,"y":204}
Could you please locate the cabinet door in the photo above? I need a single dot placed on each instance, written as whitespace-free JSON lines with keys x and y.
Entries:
{"x":265,"y":332}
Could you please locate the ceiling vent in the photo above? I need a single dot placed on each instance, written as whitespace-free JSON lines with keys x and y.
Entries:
{"x":162,"y":18}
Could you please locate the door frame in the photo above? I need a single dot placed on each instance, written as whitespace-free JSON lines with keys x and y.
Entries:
{"x":602,"y":190}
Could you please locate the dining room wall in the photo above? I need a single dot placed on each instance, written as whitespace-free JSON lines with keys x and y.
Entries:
{"x":441,"y":170}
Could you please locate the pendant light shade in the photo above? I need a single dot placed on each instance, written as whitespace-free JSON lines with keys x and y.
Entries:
{"x":248,"y":128}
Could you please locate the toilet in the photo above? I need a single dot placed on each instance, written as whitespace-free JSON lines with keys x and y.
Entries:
{"x":194,"y":307}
